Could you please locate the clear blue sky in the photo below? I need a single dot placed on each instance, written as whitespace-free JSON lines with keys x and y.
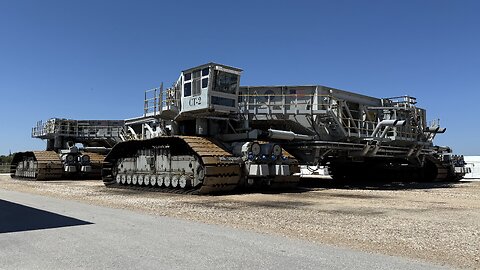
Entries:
{"x":94,"y":59}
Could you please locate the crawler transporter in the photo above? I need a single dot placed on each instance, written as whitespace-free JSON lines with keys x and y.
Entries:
{"x":192,"y":138}
{"x":75,"y":149}
{"x":206,"y":134}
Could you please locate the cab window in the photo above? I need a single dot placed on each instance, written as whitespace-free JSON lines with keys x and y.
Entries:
{"x":225,"y":82}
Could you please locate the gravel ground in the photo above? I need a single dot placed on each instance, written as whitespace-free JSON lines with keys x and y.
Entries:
{"x":438,"y":223}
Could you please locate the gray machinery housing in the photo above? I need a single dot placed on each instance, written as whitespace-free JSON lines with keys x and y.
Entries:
{"x":75,"y":149}
{"x":208,"y":134}
{"x":357,"y":136}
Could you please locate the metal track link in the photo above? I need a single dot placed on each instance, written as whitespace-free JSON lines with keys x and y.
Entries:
{"x":222,"y":170}
{"x":47,"y":165}
{"x":96,"y":161}
{"x":442,"y":172}
{"x":155,"y":189}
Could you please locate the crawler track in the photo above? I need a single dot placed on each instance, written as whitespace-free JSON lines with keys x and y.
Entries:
{"x":36,"y":165}
{"x":221,"y":171}
{"x":432,"y":170}
{"x":46,"y":165}
{"x":436,"y":171}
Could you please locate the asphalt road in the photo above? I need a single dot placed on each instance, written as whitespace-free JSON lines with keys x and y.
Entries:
{"x":38,"y":232}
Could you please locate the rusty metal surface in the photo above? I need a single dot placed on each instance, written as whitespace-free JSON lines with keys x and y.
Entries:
{"x":222,"y":172}
{"x":48,"y":165}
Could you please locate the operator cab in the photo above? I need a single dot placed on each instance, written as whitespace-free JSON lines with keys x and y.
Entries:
{"x":209,"y":89}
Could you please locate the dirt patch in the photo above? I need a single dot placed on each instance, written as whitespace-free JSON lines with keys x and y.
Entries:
{"x":437,"y":222}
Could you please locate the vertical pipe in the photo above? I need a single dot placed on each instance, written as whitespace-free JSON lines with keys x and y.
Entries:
{"x":145,"y":104}
{"x":160,"y":98}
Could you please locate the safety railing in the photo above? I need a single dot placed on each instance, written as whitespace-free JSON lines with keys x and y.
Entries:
{"x":158,"y":100}
{"x":152,"y":100}
{"x":78,"y":129}
{"x":401,"y":102}
{"x":268,"y":104}
{"x":293,"y":104}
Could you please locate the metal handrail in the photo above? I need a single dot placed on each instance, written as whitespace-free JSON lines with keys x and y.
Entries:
{"x":162,"y":100}
{"x":72,"y":130}
{"x":315,"y":103}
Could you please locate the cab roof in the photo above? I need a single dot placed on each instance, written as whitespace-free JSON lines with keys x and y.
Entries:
{"x":210,"y":65}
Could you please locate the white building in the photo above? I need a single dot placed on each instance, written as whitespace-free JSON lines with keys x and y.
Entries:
{"x":473,"y":162}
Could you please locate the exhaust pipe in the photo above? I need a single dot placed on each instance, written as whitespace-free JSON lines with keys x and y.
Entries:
{"x":287,"y":135}
{"x":388,"y":123}
{"x":435,"y":130}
